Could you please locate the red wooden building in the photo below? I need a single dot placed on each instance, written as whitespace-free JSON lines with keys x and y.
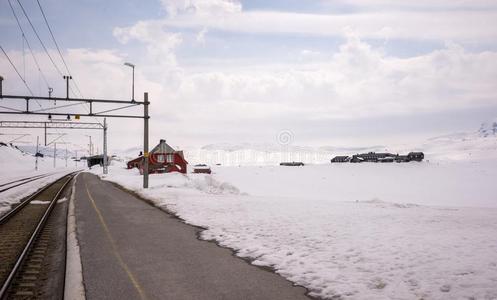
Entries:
{"x":162,"y":159}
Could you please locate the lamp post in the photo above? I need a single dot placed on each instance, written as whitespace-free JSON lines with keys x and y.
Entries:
{"x":133,"y":83}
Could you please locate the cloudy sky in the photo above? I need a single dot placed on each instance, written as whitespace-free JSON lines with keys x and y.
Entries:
{"x":331,"y":72}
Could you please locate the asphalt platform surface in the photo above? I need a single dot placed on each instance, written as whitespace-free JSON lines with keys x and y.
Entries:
{"x":132,"y":250}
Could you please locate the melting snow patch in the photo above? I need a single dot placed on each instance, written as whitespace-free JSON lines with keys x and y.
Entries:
{"x":39,"y":202}
{"x":211,"y":186}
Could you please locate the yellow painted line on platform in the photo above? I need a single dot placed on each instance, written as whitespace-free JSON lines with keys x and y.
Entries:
{"x":114,"y":248}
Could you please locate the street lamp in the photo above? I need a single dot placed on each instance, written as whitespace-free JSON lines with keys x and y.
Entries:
{"x":133,"y":85}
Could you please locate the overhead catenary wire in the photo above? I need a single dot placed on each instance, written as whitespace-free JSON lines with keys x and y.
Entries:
{"x":62,"y":58}
{"x":27,"y":42}
{"x":29,"y":46}
{"x":47,"y":52}
{"x":39,"y":39}
{"x":58,"y":48}
{"x":17,"y":71}
{"x":41,"y":42}
{"x":45,"y":49}
{"x":23,"y":80}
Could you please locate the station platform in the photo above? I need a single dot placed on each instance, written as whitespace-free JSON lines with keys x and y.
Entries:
{"x":133,"y":250}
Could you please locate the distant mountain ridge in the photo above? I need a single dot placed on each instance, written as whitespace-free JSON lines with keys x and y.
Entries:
{"x":477,"y":144}
{"x":49,"y":151}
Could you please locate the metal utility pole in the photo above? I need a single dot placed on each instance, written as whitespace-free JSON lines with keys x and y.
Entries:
{"x":36,"y":155}
{"x":145,"y":141}
{"x":133,"y":82}
{"x":105,"y":146}
{"x":67,"y":85}
{"x":117,"y":105}
{"x":89,"y":146}
{"x":54,"y":153}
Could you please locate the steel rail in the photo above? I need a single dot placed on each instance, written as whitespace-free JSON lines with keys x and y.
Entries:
{"x":13,"y":211}
{"x":24,"y":181}
{"x":21,"y":179}
{"x":6,"y":285}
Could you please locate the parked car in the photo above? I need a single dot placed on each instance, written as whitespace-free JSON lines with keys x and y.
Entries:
{"x":202,"y":169}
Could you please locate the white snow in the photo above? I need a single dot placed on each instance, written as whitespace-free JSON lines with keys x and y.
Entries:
{"x":477,"y":145}
{"x":344,"y":231}
{"x":349,"y":231}
{"x":15,"y":165}
{"x":74,"y":286}
{"x":39,"y":202}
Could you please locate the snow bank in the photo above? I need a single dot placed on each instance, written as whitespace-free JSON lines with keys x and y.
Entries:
{"x":348,"y":231}
{"x":15,"y":165}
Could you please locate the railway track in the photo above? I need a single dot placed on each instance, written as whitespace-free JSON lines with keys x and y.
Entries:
{"x":25,"y":234}
{"x":9,"y":185}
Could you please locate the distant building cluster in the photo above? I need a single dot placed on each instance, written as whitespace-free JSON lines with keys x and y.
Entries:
{"x":379,"y":157}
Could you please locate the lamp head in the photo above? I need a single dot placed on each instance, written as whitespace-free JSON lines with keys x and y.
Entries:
{"x":129,"y":64}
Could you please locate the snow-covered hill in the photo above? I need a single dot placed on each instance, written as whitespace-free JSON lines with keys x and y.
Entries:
{"x":488,"y":129}
{"x":14,"y":162}
{"x":480,"y":144}
{"x":49,"y":151}
{"x":473,"y":146}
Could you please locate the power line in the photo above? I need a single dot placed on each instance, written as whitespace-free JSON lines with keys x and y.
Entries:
{"x":58,"y":48}
{"x":32,"y":53}
{"x":29,"y":46}
{"x":39,"y":39}
{"x":62,"y":57}
{"x":18,"y":74}
{"x":41,"y":42}
{"x":46,"y":50}
{"x":22,"y":79}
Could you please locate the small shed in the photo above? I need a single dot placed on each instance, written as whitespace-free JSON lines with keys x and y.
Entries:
{"x":95,"y":160}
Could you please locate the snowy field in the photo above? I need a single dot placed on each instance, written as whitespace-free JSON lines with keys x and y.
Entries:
{"x":16,"y":165}
{"x":349,"y":231}
{"x":344,"y":231}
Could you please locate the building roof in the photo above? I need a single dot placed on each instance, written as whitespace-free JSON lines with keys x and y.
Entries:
{"x":163,"y":147}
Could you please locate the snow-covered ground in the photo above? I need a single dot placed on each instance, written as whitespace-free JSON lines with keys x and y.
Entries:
{"x":479,"y":144}
{"x":15,"y":165}
{"x":344,"y":231}
{"x":349,"y":231}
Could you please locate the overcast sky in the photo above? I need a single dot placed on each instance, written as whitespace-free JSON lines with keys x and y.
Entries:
{"x":361,"y":72}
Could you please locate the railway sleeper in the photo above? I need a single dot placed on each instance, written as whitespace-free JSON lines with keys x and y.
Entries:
{"x":42,"y":274}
